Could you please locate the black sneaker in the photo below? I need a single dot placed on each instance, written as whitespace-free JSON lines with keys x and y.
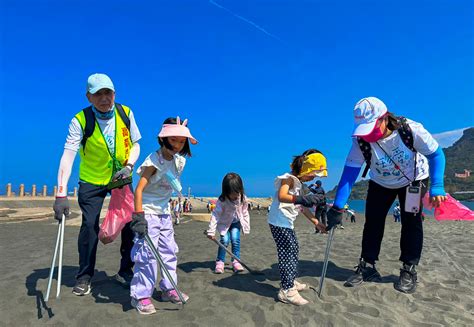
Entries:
{"x":82,"y":287}
{"x":123,"y":278}
{"x":363,"y":273}
{"x":408,"y":279}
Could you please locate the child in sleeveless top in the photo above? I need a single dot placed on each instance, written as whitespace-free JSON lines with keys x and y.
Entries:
{"x":289,"y":193}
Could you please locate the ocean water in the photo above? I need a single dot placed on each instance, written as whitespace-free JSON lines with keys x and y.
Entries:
{"x":359,"y":205}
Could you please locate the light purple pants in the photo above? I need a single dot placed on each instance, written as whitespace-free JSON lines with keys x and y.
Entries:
{"x":145,"y":273}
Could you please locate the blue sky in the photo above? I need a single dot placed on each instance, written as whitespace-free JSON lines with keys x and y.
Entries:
{"x":259,"y":81}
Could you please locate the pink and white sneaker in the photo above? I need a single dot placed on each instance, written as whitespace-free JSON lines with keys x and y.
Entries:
{"x":237,"y":266}
{"x":219,"y":267}
{"x":172,"y":296}
{"x":143,"y":306}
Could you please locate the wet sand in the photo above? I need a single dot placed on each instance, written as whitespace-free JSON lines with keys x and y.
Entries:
{"x":444,"y":297}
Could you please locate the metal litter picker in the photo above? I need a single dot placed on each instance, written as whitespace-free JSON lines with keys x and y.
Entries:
{"x":253,"y":272}
{"x":163,"y":267}
{"x":326,"y":259}
{"x":59,"y":244}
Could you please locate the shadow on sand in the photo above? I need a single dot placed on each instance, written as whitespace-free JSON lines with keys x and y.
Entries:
{"x":104,"y":289}
{"x":256,"y":284}
{"x":32,"y":288}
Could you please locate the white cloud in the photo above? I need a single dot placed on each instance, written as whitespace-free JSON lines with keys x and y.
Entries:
{"x":446,"y":139}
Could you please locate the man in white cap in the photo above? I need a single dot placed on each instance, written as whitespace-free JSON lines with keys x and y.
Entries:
{"x":106,"y":136}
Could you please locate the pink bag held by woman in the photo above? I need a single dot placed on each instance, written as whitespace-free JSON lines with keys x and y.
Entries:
{"x":451,"y":209}
{"x":118,"y":214}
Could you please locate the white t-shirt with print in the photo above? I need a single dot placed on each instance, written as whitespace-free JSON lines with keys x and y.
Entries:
{"x":382,"y":169}
{"x":157,"y":193}
{"x":107,"y":126}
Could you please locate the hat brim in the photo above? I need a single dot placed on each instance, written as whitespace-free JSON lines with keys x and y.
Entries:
{"x":98,"y":88}
{"x":316,"y":173}
{"x":169,"y":130}
{"x":364,"y":129}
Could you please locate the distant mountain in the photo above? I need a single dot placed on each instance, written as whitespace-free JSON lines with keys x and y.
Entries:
{"x":459,"y":157}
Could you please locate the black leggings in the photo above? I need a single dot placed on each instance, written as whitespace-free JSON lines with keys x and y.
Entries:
{"x":379,"y":201}
{"x":320,"y":214}
{"x":288,"y":250}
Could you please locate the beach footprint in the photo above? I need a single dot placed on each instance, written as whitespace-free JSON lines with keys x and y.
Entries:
{"x":366,"y":310}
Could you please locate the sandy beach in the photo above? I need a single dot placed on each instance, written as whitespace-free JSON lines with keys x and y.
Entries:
{"x":444,"y":296}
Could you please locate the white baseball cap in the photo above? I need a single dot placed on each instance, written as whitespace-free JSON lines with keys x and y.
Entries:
{"x":366,"y":113}
{"x":96,"y":82}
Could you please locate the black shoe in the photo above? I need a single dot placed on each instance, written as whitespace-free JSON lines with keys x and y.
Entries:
{"x":363,"y":273}
{"x":82,"y":287}
{"x":408,"y":279}
{"x":124,"y":278}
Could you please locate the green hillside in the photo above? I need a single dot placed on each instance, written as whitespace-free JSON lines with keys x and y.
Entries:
{"x":459,"y":156}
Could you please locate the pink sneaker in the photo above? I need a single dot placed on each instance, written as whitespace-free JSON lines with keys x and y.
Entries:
{"x":143,"y":306}
{"x":219,"y":267}
{"x":237,"y":266}
{"x":172,"y":296}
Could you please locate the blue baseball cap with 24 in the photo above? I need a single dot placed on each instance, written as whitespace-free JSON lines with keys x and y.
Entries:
{"x":96,"y":82}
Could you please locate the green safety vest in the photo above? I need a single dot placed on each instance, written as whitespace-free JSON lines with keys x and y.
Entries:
{"x":98,"y":165}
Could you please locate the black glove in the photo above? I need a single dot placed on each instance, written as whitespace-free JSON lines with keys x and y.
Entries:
{"x":334,"y":216}
{"x":61,"y":207}
{"x":139,"y":224}
{"x":309,"y":200}
{"x":123,"y":173}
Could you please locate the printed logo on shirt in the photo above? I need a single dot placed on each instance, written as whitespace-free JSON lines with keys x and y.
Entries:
{"x":385,"y":166}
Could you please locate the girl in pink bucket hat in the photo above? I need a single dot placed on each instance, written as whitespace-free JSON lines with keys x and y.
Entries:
{"x":159,"y":177}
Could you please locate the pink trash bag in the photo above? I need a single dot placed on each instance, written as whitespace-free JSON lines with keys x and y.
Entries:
{"x":118,"y":214}
{"x":451,"y":209}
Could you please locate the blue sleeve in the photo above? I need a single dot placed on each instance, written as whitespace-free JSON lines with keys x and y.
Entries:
{"x":437,"y":163}
{"x":348,"y":178}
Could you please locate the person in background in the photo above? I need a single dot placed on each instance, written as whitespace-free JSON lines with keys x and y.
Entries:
{"x":351,"y":213}
{"x":396,"y":213}
{"x":177,"y":211}
{"x":320,"y":210}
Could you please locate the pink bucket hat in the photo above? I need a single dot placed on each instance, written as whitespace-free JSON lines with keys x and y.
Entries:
{"x":177,"y":129}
